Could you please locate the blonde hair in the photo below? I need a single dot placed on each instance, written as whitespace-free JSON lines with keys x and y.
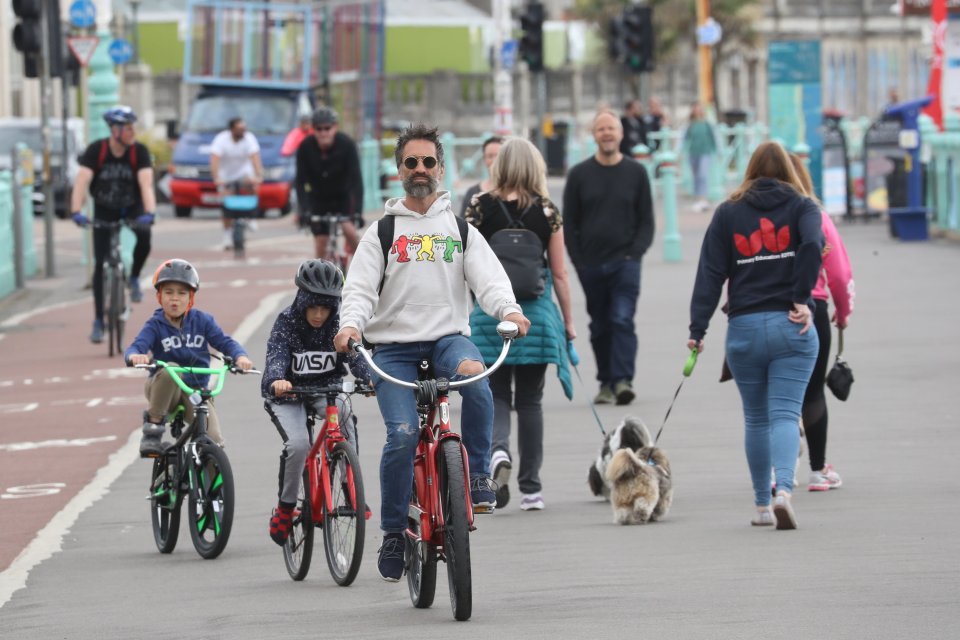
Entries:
{"x":803,"y":174}
{"x":770,"y":160}
{"x":519,"y":168}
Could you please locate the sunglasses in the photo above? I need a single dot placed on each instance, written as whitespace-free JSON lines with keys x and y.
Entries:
{"x":411,"y":162}
{"x":324,"y":128}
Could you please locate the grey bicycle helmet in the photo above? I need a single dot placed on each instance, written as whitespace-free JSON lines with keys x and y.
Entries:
{"x":176,"y":270}
{"x":119,"y":115}
{"x":325,"y":116}
{"x":320,"y":277}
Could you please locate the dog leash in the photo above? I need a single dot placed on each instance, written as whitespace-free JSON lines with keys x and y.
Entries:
{"x":574,"y":361}
{"x":687,"y":370}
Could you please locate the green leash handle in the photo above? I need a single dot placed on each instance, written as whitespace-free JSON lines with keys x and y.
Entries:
{"x":691,"y":362}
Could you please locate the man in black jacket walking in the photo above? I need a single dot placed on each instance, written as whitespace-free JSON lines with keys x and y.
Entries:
{"x":329,"y":180}
{"x":608,"y":225}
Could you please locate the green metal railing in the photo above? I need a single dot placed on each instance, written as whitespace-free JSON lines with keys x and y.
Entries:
{"x":942,"y":151}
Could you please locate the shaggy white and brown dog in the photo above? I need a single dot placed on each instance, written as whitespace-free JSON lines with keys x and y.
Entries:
{"x":632,"y":475}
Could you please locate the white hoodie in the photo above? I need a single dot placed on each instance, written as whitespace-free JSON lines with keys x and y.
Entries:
{"x":428,"y":279}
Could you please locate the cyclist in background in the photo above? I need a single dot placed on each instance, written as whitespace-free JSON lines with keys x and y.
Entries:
{"x":236,"y":167}
{"x":329,"y":180}
{"x":119,"y":174}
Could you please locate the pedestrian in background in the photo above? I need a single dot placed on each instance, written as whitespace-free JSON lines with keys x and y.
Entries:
{"x":699,"y":145}
{"x":490,"y":149}
{"x":518,"y":198}
{"x":634,"y":130}
{"x":292,"y":142}
{"x":765,"y":243}
{"x":608,"y":225}
{"x":235,"y":165}
{"x":838,"y":274}
{"x":654,"y":120}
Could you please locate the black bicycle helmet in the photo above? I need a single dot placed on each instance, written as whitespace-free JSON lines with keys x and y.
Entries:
{"x":320,"y":277}
{"x":176,"y":270}
{"x":325,"y":116}
{"x":120,"y":114}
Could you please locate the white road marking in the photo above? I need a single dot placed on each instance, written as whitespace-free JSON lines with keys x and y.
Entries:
{"x":94,"y":402}
{"x":59,"y":442}
{"x":32,"y":490}
{"x":19,"y":407}
{"x":49,"y":540}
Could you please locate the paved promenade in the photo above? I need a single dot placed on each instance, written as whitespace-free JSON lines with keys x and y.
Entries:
{"x":878,"y":558}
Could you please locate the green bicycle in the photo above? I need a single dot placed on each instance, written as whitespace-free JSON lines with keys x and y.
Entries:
{"x":195,"y":466}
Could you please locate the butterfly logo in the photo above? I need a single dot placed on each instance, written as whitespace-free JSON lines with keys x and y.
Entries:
{"x":767,"y":236}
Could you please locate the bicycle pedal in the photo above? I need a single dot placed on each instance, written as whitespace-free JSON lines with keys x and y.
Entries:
{"x":482,"y":509}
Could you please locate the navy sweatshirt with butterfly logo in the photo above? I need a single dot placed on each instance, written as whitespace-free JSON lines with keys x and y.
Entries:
{"x":767,"y":244}
{"x":304,"y":355}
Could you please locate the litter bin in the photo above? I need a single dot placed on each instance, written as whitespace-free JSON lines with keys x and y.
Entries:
{"x":557,"y":149}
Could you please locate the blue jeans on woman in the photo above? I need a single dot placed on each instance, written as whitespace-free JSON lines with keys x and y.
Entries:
{"x":398,"y":405}
{"x":612,"y":290}
{"x":771,"y":363}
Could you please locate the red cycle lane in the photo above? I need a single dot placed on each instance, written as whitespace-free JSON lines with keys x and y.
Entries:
{"x":66,"y":407}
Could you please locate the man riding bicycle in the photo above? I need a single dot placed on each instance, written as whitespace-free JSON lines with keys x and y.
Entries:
{"x":119,"y":174}
{"x":329,"y":180}
{"x":416,"y":304}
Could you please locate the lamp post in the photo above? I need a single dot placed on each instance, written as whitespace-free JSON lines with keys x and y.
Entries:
{"x":134,"y":9}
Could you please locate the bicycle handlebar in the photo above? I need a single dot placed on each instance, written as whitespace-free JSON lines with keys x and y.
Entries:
{"x":507,"y":330}
{"x":176,"y":371}
{"x":346,"y":386}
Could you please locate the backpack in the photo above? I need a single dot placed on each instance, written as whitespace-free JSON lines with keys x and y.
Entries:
{"x":520,"y":251}
{"x":103,"y":156}
{"x":385,"y":229}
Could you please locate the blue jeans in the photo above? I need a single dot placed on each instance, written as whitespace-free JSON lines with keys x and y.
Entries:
{"x":398,"y":405}
{"x":612,"y":290}
{"x":771,"y":364}
{"x":700,"y":167}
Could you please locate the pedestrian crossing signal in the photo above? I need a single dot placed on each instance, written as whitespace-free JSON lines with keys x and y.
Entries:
{"x":531,"y":41}
{"x":638,"y":39}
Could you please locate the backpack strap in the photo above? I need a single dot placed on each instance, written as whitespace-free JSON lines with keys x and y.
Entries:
{"x":515,"y":223}
{"x":103,"y":155}
{"x":386,"y":226}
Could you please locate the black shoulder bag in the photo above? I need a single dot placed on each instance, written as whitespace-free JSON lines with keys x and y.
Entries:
{"x":840,"y":378}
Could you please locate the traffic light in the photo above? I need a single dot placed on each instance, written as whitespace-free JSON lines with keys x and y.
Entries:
{"x":615,"y":39}
{"x":638,"y":38}
{"x":27,"y":34}
{"x":531,"y":42}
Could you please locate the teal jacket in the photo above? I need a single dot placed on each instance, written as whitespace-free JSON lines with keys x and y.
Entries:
{"x":545,"y":343}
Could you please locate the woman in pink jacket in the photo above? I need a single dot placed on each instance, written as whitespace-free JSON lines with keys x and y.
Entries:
{"x":838,"y":276}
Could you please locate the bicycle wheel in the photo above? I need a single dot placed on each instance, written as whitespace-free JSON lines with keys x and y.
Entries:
{"x":239,"y":241}
{"x":298,"y":551}
{"x":344,"y":526}
{"x":121,"y":297}
{"x":420,"y":559}
{"x":165,"y":501}
{"x":113,"y":309}
{"x":456,"y":539}
{"x":211,"y":501}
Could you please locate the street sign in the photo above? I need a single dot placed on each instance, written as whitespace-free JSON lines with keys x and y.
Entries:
{"x":83,"y":14}
{"x":120,"y":51}
{"x":709,"y":33}
{"x":82,"y":48}
{"x":508,"y":54}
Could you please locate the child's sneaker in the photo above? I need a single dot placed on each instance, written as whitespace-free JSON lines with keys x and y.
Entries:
{"x":824,"y":480}
{"x":281,"y":520}
{"x":500,"y":467}
{"x":390,"y":562}
{"x":150,"y":445}
{"x":482,"y":495}
{"x":783,"y":511}
{"x":531,"y":502}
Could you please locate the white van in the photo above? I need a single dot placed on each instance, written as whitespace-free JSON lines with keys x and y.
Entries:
{"x":27,"y":131}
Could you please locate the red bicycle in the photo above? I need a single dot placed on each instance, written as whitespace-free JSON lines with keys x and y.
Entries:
{"x":331,"y":495}
{"x":440,"y":516}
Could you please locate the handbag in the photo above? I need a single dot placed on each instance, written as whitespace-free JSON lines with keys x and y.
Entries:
{"x":840,"y":377}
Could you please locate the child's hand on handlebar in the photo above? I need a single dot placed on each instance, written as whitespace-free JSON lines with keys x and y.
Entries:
{"x":139,"y":358}
{"x":521,"y":321}
{"x":341,"y":341}
{"x":244,"y":363}
{"x":281,"y":387}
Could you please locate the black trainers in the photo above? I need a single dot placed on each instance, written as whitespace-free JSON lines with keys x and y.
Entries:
{"x":623,"y":392}
{"x":150,"y":444}
{"x":390,"y":562}
{"x":482,"y":495}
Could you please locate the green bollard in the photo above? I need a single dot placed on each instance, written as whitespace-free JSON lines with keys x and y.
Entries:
{"x":370,"y":164}
{"x":672,"y":251}
{"x":450,"y":177}
{"x":641,"y":153}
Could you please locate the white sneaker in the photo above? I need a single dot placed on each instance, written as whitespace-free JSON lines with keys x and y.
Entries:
{"x":252,"y":225}
{"x":531,"y":502}
{"x":783,"y":511}
{"x":228,"y":239}
{"x":824,"y":480}
{"x":500,"y":467}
